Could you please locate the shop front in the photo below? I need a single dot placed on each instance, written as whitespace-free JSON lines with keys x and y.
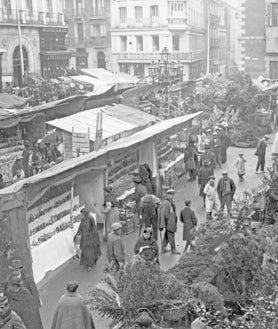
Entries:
{"x":54,"y":64}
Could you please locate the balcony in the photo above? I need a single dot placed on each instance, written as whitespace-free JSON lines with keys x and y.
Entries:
{"x":144,"y":23}
{"x":31,"y":18}
{"x":100,"y":41}
{"x":214,"y":20}
{"x":214,"y":42}
{"x":156,"y":56}
{"x":177,"y":23}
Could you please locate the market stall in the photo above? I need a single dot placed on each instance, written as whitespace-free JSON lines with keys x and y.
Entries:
{"x":43,"y":211}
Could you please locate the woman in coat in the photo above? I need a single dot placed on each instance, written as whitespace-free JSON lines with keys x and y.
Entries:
{"x":211,"y":197}
{"x":90,"y":242}
{"x":190,"y":157}
{"x":189,"y":220}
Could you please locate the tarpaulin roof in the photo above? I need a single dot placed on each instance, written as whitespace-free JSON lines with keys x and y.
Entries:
{"x":8,"y":101}
{"x":81,"y":121}
{"x":110,"y":77}
{"x":99,"y":91}
{"x":12,"y":117}
{"x":75,"y":165}
{"x":98,"y":84}
{"x":130,"y":114}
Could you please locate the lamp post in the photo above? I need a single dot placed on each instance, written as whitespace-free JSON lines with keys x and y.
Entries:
{"x":2,"y":51}
{"x":165,"y":71}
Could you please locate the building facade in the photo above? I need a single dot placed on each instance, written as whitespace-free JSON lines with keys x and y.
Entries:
{"x":89,"y":33}
{"x":252,"y":41}
{"x":43,"y":33}
{"x":141,"y":29}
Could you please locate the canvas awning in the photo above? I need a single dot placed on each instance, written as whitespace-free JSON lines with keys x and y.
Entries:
{"x":98,"y":84}
{"x":8,"y":101}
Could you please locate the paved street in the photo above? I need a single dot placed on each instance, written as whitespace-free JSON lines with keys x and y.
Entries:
{"x":53,"y":287}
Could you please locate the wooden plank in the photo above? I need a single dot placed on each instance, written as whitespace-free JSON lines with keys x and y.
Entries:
{"x":82,"y":135}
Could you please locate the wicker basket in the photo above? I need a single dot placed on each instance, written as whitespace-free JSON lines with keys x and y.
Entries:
{"x":176,"y":312}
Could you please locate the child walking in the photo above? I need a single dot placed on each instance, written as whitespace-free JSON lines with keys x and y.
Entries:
{"x":240,"y":164}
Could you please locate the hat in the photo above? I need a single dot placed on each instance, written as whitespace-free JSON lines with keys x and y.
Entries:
{"x":72,"y":286}
{"x":240,"y":153}
{"x":206,"y":162}
{"x":266,"y":137}
{"x":15,"y":280}
{"x":207,"y":146}
{"x":170,"y":191}
{"x":137,"y":179}
{"x":116,"y":226}
{"x":211,"y":177}
{"x":47,"y":143}
{"x":108,"y":189}
{"x":148,"y":230}
{"x":187,"y":202}
{"x":16,"y":264}
{"x":214,"y":133}
{"x":27,"y":143}
{"x":3,"y":300}
{"x":224,"y":172}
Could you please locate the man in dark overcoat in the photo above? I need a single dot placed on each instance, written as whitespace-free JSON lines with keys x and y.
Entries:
{"x":189,"y":220}
{"x":226,"y":189}
{"x":204,"y":173}
{"x":168,"y":221}
{"x":260,"y":153}
{"x":209,"y":156}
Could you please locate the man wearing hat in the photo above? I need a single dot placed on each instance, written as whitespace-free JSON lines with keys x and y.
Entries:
{"x":140,"y":191}
{"x":226,"y":189}
{"x":110,"y":196}
{"x":17,"y":166}
{"x":204,"y":173}
{"x":27,"y":280}
{"x":72,"y":311}
{"x":189,"y":220}
{"x":209,"y":156}
{"x":110,"y":210}
{"x":210,"y":197}
{"x":168,"y":221}
{"x":149,"y":206}
{"x":260,"y":153}
{"x":216,"y":145}
{"x":8,"y":318}
{"x":115,"y":248}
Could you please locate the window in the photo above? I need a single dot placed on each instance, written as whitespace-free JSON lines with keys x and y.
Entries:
{"x":138,"y":14}
{"x":123,"y":43}
{"x":49,"y":6}
{"x":273,"y":70}
{"x":154,"y":14}
{"x":176,"y":42}
{"x":123,"y":14}
{"x":125,"y":68}
{"x":273,"y":14}
{"x":29,"y":5}
{"x":79,"y":7}
{"x":155,"y":43}
{"x":99,"y":7}
{"x":7,"y":6}
{"x":80,"y":32}
{"x":139,"y":43}
{"x":98,"y":30}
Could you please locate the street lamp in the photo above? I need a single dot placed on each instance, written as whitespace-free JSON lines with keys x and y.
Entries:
{"x":2,"y":51}
{"x":165,"y":54}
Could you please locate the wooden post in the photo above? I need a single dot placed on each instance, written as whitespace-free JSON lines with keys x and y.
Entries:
{"x":97,"y":133}
{"x":71,"y":204}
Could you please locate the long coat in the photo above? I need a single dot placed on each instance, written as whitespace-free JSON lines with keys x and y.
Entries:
{"x":204,"y":174}
{"x":12,"y":321}
{"x":167,"y":216}
{"x":220,"y":188}
{"x":189,"y":220}
{"x":72,"y":313}
{"x":24,"y":304}
{"x":29,"y":283}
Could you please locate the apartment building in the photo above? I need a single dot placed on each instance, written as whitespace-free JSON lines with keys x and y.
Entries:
{"x":89,"y":33}
{"x":252,"y":41}
{"x":141,"y":29}
{"x":43,"y":33}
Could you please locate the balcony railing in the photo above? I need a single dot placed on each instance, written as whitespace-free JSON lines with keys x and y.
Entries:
{"x":214,"y":19}
{"x":31,"y":18}
{"x":214,"y":42}
{"x":177,"y":22}
{"x":145,"y":22}
{"x":156,"y":56}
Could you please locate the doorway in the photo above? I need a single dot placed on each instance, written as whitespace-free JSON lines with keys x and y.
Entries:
{"x":17,"y":64}
{"x":101,"y":60}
